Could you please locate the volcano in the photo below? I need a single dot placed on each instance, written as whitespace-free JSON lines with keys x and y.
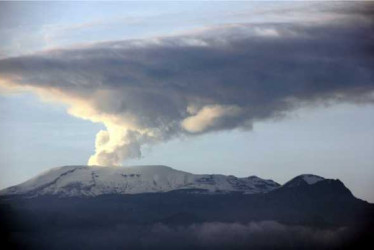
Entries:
{"x":157,"y":207}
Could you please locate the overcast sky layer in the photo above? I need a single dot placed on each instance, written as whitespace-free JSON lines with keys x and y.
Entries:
{"x":270,"y":89}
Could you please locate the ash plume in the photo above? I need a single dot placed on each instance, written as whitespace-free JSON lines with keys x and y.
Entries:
{"x":149,"y":91}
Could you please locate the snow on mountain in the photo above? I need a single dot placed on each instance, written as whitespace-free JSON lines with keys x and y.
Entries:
{"x":312,"y":179}
{"x":305,"y":179}
{"x":69,"y":181}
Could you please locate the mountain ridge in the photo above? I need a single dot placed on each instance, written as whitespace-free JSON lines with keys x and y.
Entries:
{"x":95,"y":180}
{"x":45,"y":218}
{"x":81,"y":180}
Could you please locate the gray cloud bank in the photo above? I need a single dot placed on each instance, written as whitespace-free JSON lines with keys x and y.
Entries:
{"x":148,"y":91}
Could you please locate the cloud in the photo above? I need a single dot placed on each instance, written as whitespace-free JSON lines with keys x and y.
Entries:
{"x":208,"y":117}
{"x":262,"y":234}
{"x":208,"y":235}
{"x":149,"y":91}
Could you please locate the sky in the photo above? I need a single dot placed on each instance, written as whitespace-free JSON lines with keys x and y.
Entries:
{"x":273,"y":89}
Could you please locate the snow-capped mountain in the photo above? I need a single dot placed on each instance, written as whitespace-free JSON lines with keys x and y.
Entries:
{"x":53,"y":210}
{"x":305,"y":179}
{"x":69,"y":181}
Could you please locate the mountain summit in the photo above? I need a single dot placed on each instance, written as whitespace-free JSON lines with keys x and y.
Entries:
{"x":70,"y":181}
{"x":305,"y":179}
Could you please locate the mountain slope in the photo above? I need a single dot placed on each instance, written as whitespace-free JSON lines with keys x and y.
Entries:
{"x":116,"y":221}
{"x":72,"y":181}
{"x":52,"y":211}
